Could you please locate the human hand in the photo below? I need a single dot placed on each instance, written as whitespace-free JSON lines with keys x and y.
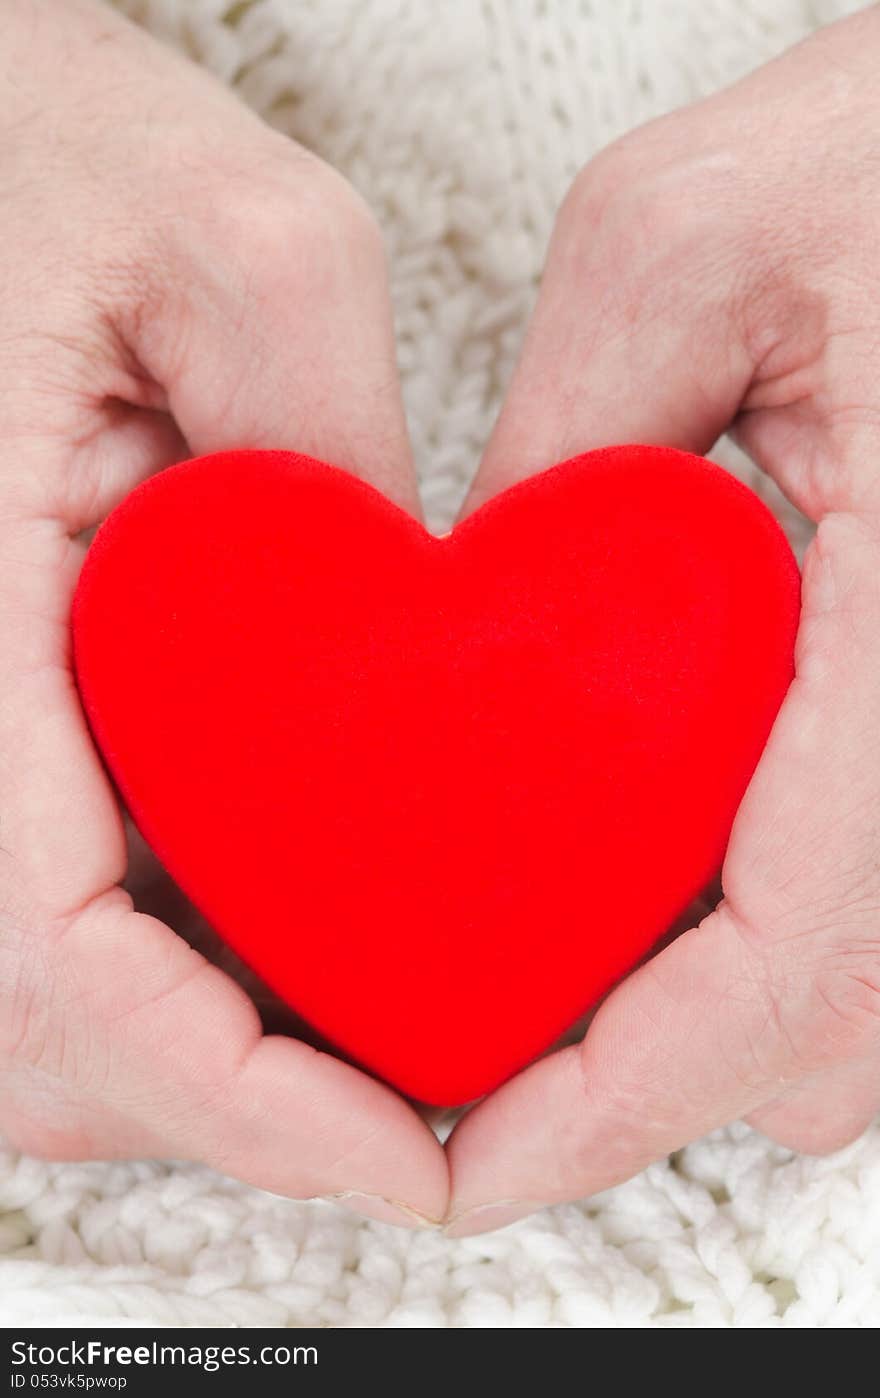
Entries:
{"x":718,"y":268}
{"x":176,"y":279}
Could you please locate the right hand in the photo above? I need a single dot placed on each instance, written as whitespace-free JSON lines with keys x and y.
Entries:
{"x":717,"y":269}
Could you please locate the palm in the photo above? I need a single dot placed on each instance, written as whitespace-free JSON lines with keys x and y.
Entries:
{"x":118,"y":1037}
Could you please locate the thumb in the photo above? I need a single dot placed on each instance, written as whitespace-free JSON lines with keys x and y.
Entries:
{"x":274,"y":327}
{"x":633,"y":336}
{"x":686,"y":1044}
{"x":160,"y":1054}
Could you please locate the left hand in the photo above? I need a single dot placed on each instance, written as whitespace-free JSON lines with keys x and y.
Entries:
{"x":175,"y":279}
{"x":716,"y":268}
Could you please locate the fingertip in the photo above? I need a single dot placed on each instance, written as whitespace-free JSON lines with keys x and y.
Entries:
{"x":518,"y":1145}
{"x":488,"y":1218}
{"x":303,"y":1123}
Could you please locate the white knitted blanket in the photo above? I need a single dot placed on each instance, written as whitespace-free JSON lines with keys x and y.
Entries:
{"x":462,"y":122}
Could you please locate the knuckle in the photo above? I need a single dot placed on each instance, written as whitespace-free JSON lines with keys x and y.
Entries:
{"x":621,"y":208}
{"x":840,"y":566}
{"x":630,"y":1120}
{"x":612,"y":194}
{"x":339,"y":206}
{"x":645,"y":184}
{"x":632,"y":1101}
{"x":631,"y":1105}
{"x":292,"y":219}
{"x":666,"y":209}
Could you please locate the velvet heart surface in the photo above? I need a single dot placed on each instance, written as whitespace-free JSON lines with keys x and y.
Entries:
{"x":440,"y":793}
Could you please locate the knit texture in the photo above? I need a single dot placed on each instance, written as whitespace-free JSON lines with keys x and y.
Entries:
{"x":463,"y":124}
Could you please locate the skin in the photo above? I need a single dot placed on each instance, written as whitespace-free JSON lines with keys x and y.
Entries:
{"x":177,"y":279}
{"x":715,"y":270}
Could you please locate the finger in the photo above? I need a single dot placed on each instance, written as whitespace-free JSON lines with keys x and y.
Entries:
{"x":623,"y":346}
{"x":824,"y":832}
{"x":279,"y":333}
{"x":778,"y":985}
{"x":122,"y":1038}
{"x":125,"y":1036}
{"x":133,"y":444}
{"x":61,"y":838}
{"x":141,"y":1047}
{"x":684,"y":1045}
{"x":692,"y":1041}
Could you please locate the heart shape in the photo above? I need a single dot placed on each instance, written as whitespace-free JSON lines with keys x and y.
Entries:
{"x":440,"y":793}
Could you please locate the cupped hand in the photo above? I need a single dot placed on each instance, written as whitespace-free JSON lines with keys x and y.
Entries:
{"x":718,"y":269}
{"x":176,"y":279}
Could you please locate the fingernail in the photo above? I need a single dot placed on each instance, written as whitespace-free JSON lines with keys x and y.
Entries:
{"x":383,"y":1210}
{"x":486,"y":1217}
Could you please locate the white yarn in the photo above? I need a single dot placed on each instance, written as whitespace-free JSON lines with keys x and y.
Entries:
{"x":462,"y":124}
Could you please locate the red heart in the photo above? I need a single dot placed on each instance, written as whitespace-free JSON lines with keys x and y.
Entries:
{"x":439,"y":793}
